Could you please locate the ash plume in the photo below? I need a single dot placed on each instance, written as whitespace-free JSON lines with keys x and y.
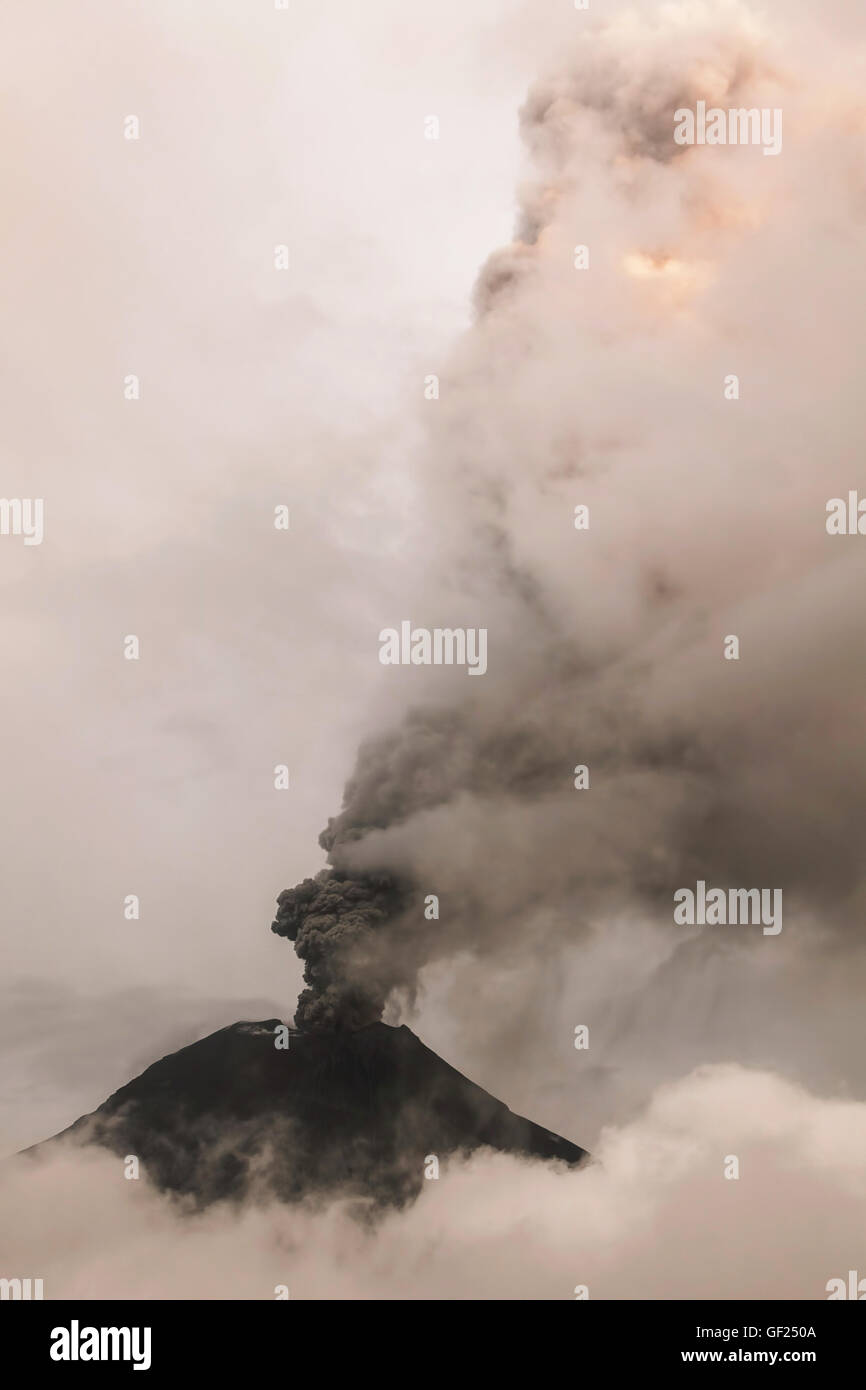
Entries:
{"x":604,"y":388}
{"x":333,"y":920}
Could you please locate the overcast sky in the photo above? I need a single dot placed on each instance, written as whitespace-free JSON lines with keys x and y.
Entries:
{"x":258,"y":388}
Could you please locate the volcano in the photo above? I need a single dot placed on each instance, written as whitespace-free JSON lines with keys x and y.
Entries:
{"x":355,"y":1113}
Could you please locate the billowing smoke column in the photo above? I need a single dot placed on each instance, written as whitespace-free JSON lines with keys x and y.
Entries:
{"x":604,"y":381}
{"x":337,"y":920}
{"x":332,"y":920}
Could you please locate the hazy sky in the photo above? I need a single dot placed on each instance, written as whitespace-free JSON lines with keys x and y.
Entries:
{"x":257,"y":388}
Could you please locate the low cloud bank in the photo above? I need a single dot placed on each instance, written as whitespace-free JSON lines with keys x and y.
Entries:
{"x":654,"y":1217}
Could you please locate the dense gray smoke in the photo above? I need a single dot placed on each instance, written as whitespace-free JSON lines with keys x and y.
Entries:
{"x":333,"y":921}
{"x":602,"y":384}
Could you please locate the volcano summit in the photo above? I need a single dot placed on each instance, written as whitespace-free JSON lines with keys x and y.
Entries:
{"x":355,"y":1113}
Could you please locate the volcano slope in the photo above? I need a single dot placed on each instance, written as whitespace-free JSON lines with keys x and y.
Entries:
{"x":356,"y":1113}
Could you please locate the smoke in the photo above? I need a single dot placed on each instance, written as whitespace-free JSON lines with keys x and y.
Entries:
{"x":605,"y":388}
{"x":333,"y":921}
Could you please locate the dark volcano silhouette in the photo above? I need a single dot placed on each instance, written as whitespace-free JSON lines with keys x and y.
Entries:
{"x":351,"y":1112}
